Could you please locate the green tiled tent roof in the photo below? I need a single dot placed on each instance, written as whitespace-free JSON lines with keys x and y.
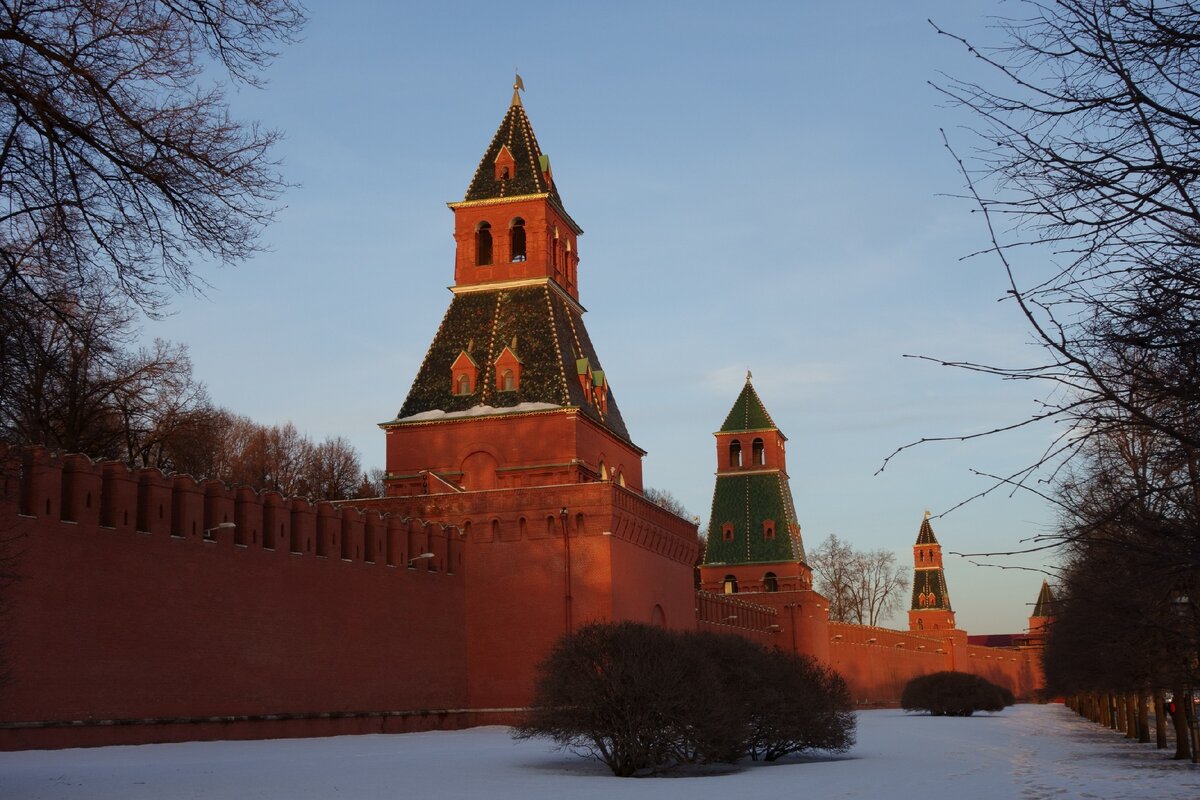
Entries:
{"x":1045,"y":602}
{"x":925,"y":535}
{"x":746,"y":502}
{"x":516,"y":133}
{"x":930,"y":581}
{"x":748,"y":413}
{"x":550,"y":338}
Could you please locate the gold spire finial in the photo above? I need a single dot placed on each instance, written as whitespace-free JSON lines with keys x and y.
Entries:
{"x":518,"y":86}
{"x":928,"y":514}
{"x":748,"y":376}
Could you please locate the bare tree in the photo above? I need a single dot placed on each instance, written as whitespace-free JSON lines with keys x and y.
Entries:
{"x":120,"y":165}
{"x":832,"y":564}
{"x":70,"y":380}
{"x":667,"y":501}
{"x":862,"y":587}
{"x":1087,"y":157}
{"x":334,"y":470}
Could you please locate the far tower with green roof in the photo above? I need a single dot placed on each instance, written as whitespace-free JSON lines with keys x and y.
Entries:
{"x":754,"y":541}
{"x":931,"y":609}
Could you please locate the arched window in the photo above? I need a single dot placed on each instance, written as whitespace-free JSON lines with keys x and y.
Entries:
{"x":496,"y":530}
{"x":551,"y":525}
{"x":727,"y":532}
{"x":730,"y":584}
{"x":756,"y":453}
{"x":516,"y":239}
{"x":768,"y":529}
{"x":483,"y":244}
{"x":603,"y":472}
{"x":920,"y":624}
{"x":523,"y":527}
{"x":770,"y":582}
{"x":507,"y":382}
{"x":464,"y":384}
{"x":735,"y":453}
{"x":554,"y":247}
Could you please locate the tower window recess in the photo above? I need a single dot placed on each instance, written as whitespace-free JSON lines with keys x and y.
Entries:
{"x":508,"y":381}
{"x":735,"y":453}
{"x":727,"y":532}
{"x":770,"y":582}
{"x":516,"y":239}
{"x":730,"y":584}
{"x":483,"y":244}
{"x":757,"y":454}
{"x":769,"y":529}
{"x":463,"y":385}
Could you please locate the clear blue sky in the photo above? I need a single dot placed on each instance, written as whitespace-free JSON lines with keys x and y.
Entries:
{"x":762,"y":187}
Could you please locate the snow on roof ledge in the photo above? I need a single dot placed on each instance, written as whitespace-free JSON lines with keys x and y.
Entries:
{"x":477,"y":411}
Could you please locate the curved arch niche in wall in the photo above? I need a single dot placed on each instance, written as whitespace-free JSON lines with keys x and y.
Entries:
{"x":479,"y":471}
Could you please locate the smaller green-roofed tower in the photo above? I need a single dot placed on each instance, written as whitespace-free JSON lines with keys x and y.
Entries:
{"x":754,"y":542}
{"x":931,"y":609}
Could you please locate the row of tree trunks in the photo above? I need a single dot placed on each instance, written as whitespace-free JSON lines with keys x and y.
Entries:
{"x":1130,"y":713}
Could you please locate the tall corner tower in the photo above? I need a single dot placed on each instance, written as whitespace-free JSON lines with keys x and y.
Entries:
{"x":931,"y":609}
{"x":511,"y":391}
{"x":754,"y":541}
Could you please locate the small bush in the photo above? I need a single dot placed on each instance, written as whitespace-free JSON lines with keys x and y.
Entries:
{"x":642,"y":699}
{"x":954,"y":694}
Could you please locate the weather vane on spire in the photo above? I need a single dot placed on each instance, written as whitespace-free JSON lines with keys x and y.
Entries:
{"x":748,"y":376}
{"x":518,"y":86}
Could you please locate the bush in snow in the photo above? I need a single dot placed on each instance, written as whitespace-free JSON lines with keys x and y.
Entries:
{"x":642,"y":699}
{"x":954,"y":694}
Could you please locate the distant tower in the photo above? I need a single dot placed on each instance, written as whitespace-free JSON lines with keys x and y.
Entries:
{"x":754,"y":542}
{"x":930,"y":599}
{"x":1043,"y":611}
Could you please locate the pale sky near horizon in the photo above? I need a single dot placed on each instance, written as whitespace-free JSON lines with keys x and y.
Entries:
{"x":762,"y":187}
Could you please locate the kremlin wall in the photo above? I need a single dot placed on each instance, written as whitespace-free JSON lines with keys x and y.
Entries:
{"x":151,"y":607}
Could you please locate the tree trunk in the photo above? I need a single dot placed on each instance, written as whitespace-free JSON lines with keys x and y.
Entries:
{"x":1160,"y":720}
{"x":1131,"y":715}
{"x":1143,"y":717}
{"x":1183,"y":737}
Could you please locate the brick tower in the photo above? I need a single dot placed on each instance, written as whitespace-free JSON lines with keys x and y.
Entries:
{"x":1043,"y":611}
{"x":754,"y":543}
{"x":511,"y":433}
{"x":930,"y":600}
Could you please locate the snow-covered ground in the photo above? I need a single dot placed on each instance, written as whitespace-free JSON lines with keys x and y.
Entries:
{"x":1027,"y":752}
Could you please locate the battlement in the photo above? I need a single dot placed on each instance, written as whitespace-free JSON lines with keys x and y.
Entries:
{"x":109,"y":496}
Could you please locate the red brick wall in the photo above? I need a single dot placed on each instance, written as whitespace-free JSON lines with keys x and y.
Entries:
{"x":116,"y":625}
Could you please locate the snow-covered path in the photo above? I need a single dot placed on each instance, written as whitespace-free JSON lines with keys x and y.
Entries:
{"x":1025,"y":753}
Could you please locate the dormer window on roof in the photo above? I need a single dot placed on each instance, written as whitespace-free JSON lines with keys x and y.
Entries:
{"x":508,"y":369}
{"x":506,"y":165}
{"x":464,"y":373}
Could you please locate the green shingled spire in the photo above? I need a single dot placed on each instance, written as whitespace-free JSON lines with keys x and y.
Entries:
{"x":748,"y":413}
{"x":753,"y":518}
{"x":1045,"y":602}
